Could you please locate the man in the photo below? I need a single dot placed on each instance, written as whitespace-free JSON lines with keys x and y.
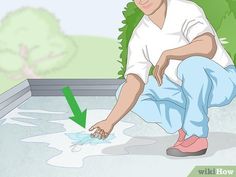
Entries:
{"x":192,"y":73}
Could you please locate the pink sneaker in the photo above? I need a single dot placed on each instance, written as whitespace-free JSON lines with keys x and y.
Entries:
{"x":181,"y":138}
{"x":192,"y":146}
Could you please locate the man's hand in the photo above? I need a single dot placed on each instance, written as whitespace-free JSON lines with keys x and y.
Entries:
{"x":160,"y":67}
{"x":102,"y":129}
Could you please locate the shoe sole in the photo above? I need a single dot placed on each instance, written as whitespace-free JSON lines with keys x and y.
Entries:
{"x":177,"y":153}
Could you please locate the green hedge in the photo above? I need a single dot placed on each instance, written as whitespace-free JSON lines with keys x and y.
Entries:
{"x":220,"y":13}
{"x":132,"y":17}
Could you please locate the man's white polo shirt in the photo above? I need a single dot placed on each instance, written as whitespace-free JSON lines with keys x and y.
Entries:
{"x":184,"y":22}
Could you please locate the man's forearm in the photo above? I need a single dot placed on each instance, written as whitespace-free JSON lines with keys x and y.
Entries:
{"x":201,"y":46}
{"x":128,"y":97}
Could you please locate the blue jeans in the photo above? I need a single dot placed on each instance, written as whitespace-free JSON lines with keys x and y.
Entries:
{"x":204,"y":84}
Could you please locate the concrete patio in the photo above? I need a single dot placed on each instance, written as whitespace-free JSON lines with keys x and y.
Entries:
{"x":141,"y":154}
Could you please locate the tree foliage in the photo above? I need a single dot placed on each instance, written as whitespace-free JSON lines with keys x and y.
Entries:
{"x":220,"y":13}
{"x":132,"y":17}
{"x":232,"y":6}
{"x":227,"y":30}
{"x":214,"y":10}
{"x":31,"y":43}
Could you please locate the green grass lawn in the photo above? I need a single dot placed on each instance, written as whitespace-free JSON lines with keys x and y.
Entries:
{"x":96,"y":58}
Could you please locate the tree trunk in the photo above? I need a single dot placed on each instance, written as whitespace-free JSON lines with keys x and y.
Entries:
{"x":29,"y":73}
{"x":26,"y":70}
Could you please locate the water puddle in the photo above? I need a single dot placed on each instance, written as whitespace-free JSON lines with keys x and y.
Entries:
{"x":16,"y":117}
{"x":82,"y":138}
{"x":75,"y":143}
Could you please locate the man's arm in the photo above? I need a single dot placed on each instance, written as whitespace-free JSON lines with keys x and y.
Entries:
{"x":203,"y":45}
{"x":128,"y":97}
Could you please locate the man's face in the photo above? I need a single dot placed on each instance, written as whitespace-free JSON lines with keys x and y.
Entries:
{"x":148,"y":7}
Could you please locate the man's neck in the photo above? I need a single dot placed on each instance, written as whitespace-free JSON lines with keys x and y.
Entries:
{"x":159,"y":16}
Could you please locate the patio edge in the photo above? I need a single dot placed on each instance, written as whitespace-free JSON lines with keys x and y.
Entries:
{"x":80,"y":87}
{"x":12,"y":98}
{"x":53,"y":87}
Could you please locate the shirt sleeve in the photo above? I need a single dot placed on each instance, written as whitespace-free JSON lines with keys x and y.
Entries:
{"x":196,"y":24}
{"x":137,"y":63}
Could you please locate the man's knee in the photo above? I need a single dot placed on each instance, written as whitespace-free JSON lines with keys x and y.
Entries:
{"x":191,"y":65}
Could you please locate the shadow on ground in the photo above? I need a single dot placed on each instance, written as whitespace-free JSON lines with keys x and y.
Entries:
{"x":157,"y":145}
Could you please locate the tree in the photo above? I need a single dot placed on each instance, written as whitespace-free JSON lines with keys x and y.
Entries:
{"x":32,"y":44}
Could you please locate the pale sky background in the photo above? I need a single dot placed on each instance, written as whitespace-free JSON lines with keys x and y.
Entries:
{"x":78,"y":17}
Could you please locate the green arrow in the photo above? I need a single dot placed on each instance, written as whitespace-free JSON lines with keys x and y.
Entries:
{"x":79,"y":117}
